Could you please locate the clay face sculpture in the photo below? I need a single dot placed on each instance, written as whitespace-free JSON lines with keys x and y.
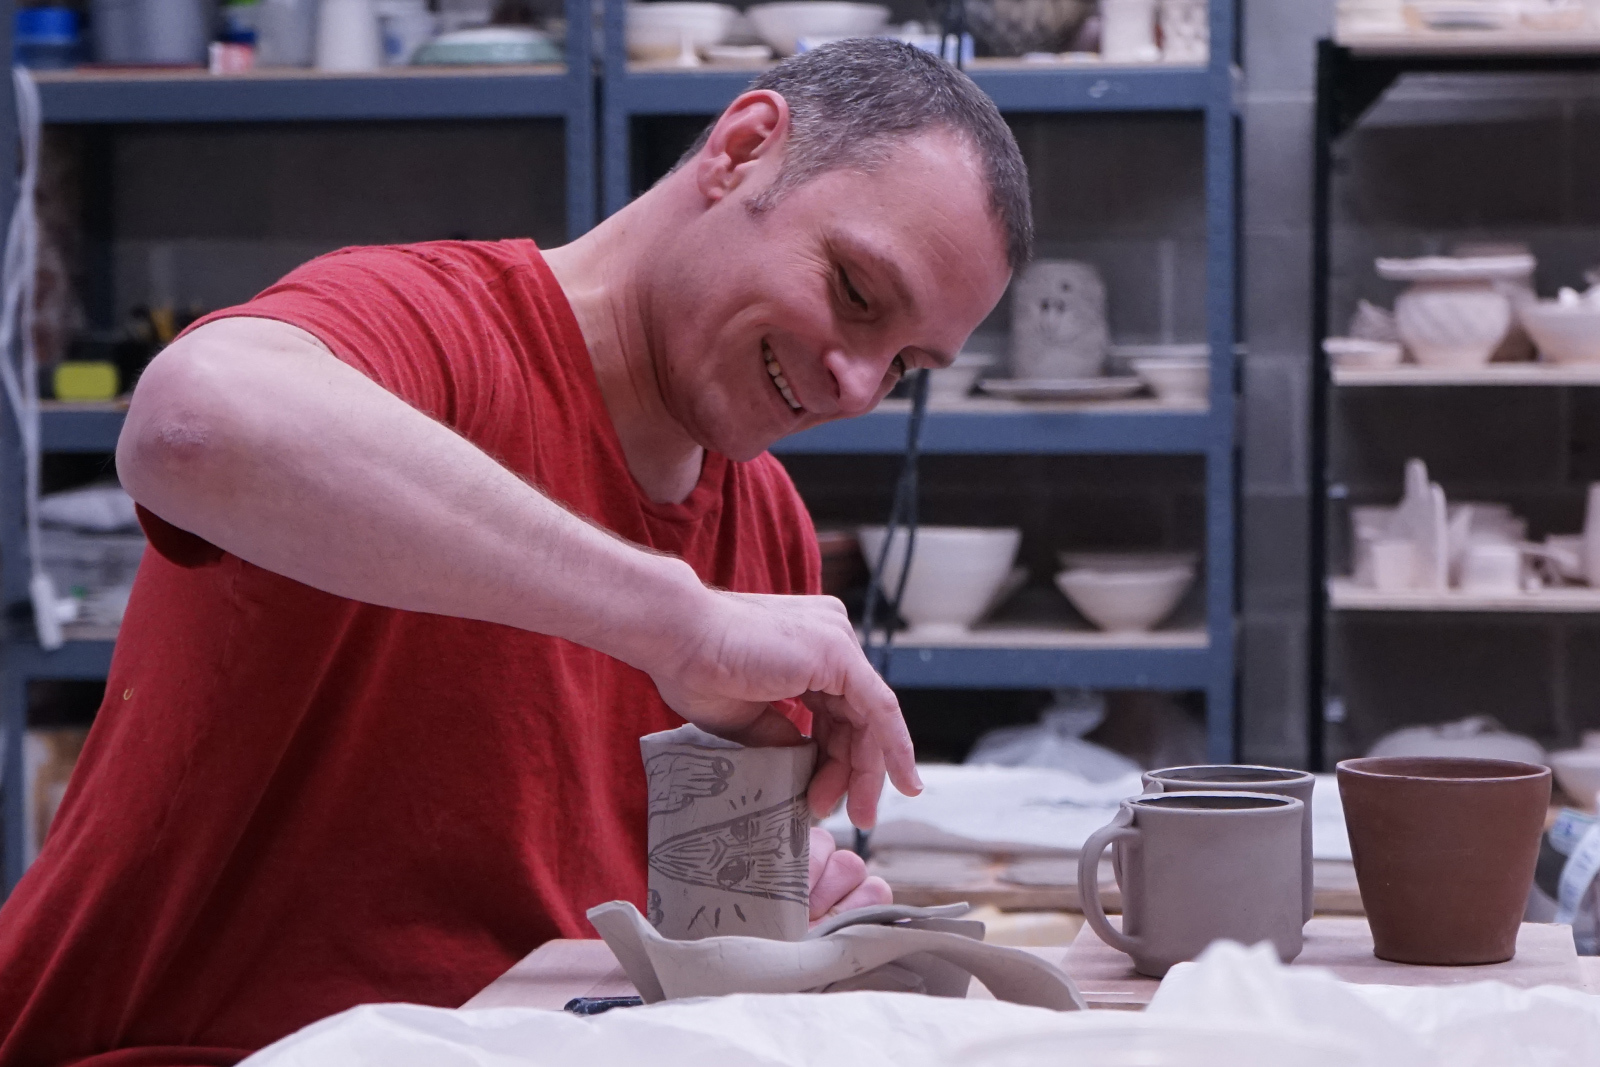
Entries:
{"x":908,"y":950}
{"x":1238,"y":778}
{"x":1058,"y":321}
{"x":729,"y":836}
{"x":1444,"y":850}
{"x":1195,"y":867}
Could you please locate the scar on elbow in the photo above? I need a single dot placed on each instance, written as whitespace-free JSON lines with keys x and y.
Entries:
{"x":178,"y":440}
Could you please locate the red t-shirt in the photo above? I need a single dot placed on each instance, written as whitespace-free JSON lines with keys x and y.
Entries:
{"x":292,"y":803}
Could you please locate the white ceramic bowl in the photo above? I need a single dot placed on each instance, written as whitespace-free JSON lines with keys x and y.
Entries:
{"x":655,"y":31}
{"x":1578,"y":771}
{"x":1563,"y":334}
{"x":956,"y":572}
{"x":1126,"y":601}
{"x":782,"y":25}
{"x":1175,"y":380}
{"x":956,"y":381}
{"x":1358,"y":353}
{"x":1126,"y":561}
{"x":1452,"y":325}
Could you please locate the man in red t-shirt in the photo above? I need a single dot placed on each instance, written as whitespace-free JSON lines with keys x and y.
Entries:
{"x":440,"y":530}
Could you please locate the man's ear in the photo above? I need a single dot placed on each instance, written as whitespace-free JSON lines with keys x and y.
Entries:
{"x":752,"y":129}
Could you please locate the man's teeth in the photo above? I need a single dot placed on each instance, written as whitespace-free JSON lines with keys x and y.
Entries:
{"x":776,"y":371}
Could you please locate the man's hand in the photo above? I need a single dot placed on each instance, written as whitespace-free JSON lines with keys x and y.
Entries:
{"x":839,"y":879}
{"x":744,"y":650}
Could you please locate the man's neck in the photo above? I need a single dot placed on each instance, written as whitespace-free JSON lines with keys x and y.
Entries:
{"x":599,"y":275}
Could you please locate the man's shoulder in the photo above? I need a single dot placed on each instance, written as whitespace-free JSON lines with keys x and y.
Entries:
{"x":483,"y":258}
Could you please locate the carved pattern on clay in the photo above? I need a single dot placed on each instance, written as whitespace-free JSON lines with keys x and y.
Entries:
{"x":760,"y":854}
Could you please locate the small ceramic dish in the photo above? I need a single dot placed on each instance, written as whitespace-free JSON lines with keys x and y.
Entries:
{"x":1456,"y":268}
{"x":956,"y":381}
{"x":1356,"y":353}
{"x":489,"y":45}
{"x":1175,"y":381}
{"x":1062,"y":388}
{"x":737,"y":55}
{"x":1131,"y":601}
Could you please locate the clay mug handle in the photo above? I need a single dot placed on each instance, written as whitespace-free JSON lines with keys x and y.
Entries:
{"x":1118,"y":829}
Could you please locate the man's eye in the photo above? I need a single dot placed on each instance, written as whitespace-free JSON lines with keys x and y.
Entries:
{"x":898,"y":367}
{"x":850,"y":291}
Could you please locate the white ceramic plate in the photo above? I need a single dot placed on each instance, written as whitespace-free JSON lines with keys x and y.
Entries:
{"x":1456,"y":268}
{"x":1062,"y":388}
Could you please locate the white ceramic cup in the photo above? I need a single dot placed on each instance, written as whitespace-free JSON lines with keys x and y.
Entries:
{"x":348,"y":37}
{"x":1491,"y":568}
{"x":1394,"y":564}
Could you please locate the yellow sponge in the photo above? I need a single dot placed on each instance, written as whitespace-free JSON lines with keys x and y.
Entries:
{"x":82,"y":380}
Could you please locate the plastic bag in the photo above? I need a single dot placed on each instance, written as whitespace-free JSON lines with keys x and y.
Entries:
{"x":1056,"y":741}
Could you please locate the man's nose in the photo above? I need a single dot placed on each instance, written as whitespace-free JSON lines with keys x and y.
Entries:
{"x":859,"y":377}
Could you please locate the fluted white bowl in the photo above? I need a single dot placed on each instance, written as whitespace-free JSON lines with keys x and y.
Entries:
{"x":1578,"y":771}
{"x":1131,"y":601}
{"x":1452,"y":325}
{"x":1175,"y":380}
{"x":782,"y":25}
{"x":656,"y":30}
{"x":956,"y":572}
{"x":1563,"y":334}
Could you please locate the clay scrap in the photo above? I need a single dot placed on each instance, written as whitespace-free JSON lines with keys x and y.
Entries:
{"x":892,"y":949}
{"x":729,"y":836}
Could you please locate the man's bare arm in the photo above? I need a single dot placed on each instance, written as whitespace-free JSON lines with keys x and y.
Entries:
{"x":250,"y":434}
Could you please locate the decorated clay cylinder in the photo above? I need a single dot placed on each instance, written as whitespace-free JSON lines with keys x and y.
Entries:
{"x":1196,"y":867}
{"x":1444,"y":851}
{"x":1228,"y":777}
{"x":729,"y":840}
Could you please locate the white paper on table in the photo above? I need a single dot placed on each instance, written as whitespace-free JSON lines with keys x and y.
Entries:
{"x":1016,"y":810}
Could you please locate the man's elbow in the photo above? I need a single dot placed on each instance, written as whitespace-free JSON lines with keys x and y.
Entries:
{"x":175,"y":438}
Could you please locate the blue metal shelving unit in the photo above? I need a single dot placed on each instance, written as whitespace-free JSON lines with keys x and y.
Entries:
{"x":1208,"y":92}
{"x":89,"y":98}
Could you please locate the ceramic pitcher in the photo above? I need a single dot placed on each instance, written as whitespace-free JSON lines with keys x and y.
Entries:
{"x":1198,"y":867}
{"x":729,"y":837}
{"x":1236,"y":778}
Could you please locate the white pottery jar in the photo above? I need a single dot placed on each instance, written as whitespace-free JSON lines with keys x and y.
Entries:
{"x":1453,"y":324}
{"x":348,"y":36}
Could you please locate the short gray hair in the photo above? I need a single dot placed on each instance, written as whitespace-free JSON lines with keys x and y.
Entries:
{"x":852,"y":101}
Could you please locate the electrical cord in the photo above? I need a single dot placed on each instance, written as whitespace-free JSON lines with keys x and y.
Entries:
{"x":19,"y":367}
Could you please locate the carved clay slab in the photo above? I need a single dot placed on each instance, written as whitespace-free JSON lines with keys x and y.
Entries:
{"x":729,"y":835}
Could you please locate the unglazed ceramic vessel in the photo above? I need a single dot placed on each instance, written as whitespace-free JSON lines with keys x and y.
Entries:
{"x":1196,"y":867}
{"x":1058,"y":321}
{"x":1126,"y":601}
{"x":958,"y":573}
{"x":1244,"y":778}
{"x":1453,"y":325}
{"x":1563,"y":333}
{"x":1444,"y":852}
{"x":895,"y":949}
{"x":729,"y":837}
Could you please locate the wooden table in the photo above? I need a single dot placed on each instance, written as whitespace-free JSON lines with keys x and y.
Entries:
{"x":984,"y":881}
{"x":560,"y":970}
{"x":1545,"y":956}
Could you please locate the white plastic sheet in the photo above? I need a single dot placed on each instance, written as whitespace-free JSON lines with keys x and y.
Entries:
{"x":1235,"y":1007}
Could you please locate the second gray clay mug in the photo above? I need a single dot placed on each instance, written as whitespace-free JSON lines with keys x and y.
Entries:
{"x":1198,"y":867}
{"x":1247,"y":778}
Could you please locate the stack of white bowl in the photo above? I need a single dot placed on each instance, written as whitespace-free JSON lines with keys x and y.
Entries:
{"x":958,"y":574}
{"x":1126,"y":592}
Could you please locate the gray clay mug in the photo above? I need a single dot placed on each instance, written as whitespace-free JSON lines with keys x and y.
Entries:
{"x":1198,"y":867}
{"x":1248,"y":778}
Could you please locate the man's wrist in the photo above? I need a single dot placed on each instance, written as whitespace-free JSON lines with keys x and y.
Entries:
{"x":649,"y":608}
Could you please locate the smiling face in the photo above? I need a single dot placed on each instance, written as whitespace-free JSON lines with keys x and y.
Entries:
{"x":765,"y":323}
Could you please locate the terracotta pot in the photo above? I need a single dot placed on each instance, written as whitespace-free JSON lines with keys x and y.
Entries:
{"x":1444,"y":850}
{"x":1245,"y":778}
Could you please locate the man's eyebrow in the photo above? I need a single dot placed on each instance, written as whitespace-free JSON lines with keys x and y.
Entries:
{"x":882,"y":267}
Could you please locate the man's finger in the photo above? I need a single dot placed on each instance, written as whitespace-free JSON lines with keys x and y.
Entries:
{"x":843,"y":872}
{"x":771,"y":729}
{"x":874,"y":706}
{"x":822,"y":846}
{"x":873,"y":890}
{"x":832,"y":776}
{"x":866,"y":779}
